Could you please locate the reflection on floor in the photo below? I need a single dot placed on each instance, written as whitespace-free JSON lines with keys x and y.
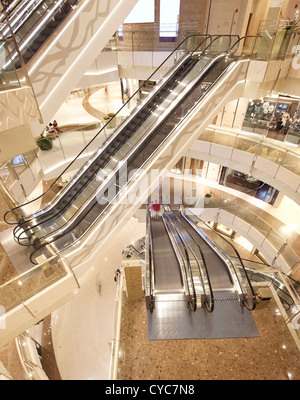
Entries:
{"x":272,"y":355}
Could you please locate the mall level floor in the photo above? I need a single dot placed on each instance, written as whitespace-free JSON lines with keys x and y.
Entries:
{"x":272,"y":356}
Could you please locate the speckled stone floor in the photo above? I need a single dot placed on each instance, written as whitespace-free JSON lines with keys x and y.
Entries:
{"x":272,"y":356}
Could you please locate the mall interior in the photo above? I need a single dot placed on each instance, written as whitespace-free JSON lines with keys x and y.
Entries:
{"x":150,"y":190}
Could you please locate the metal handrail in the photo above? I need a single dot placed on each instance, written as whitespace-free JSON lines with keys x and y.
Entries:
{"x":211,"y":296}
{"x":188,"y":270}
{"x":132,"y":150}
{"x":82,"y":170}
{"x":240,"y":260}
{"x":82,"y":151}
{"x":92,"y":224}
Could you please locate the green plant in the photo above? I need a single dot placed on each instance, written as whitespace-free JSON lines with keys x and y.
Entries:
{"x":44,"y":143}
{"x":208,"y":195}
{"x":109,"y":116}
{"x":127,"y":253}
{"x":292,"y":25}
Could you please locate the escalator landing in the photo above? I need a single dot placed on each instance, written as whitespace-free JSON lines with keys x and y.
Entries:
{"x":173,"y":320}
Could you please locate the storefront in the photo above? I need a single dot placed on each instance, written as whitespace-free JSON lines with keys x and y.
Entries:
{"x":274,"y":117}
{"x":248,"y":184}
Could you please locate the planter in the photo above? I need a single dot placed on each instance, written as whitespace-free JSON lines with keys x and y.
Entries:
{"x":207,"y":198}
{"x":112,"y":123}
{"x":44,"y":144}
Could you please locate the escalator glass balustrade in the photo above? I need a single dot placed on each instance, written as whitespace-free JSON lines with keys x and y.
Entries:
{"x":94,"y":188}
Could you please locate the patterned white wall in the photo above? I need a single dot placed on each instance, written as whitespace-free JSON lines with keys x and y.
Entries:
{"x":64,"y":58}
{"x":17,"y":107}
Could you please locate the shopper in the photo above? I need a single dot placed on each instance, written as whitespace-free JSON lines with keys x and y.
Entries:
{"x":285,"y":122}
{"x":156,"y":209}
{"x":55,"y":125}
{"x":117,"y":274}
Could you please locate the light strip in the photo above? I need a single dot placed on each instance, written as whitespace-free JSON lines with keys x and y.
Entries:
{"x":105,"y":22}
{"x":20,"y":15}
{"x":36,"y":30}
{"x":100,"y":73}
{"x":57,"y":37}
{"x":86,"y":237}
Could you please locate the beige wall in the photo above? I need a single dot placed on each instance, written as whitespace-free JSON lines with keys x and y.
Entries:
{"x":17,"y":107}
{"x":288,"y":8}
{"x":194,"y":12}
{"x":15,"y":141}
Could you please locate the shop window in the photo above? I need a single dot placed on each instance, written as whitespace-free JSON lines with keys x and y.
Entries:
{"x":278,"y":119}
{"x":224,"y":230}
{"x":258,"y":115}
{"x":248,"y":184}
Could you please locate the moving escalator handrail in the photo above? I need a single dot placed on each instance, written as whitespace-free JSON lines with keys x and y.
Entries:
{"x":186,"y":270}
{"x":36,"y":20}
{"x":78,"y":239}
{"x":27,"y":241}
{"x":251,"y":295}
{"x":151,"y":263}
{"x":20,"y":16}
{"x":229,"y":51}
{"x":50,"y":237}
{"x":34,"y":216}
{"x":202,"y":271}
{"x":9,"y":8}
{"x":99,"y":188}
{"x":17,"y":209}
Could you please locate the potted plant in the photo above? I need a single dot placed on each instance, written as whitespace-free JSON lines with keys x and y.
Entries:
{"x":292,"y":25}
{"x":44,"y":143}
{"x":109,"y":117}
{"x":207,"y":198}
{"x":127,"y":253}
{"x":291,"y":28}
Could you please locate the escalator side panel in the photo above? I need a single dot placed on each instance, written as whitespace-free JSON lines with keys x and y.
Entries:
{"x":229,"y":87}
{"x":217,"y":270}
{"x":100,"y":162}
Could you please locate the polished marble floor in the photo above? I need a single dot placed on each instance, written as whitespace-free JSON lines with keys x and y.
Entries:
{"x":271,"y":356}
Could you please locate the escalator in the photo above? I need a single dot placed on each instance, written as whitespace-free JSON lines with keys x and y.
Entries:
{"x":226,"y":278}
{"x":162,"y":264}
{"x":228,"y":294}
{"x":94,"y":193}
{"x":177,"y":271}
{"x":47,"y":221}
{"x":32,"y":22}
{"x":197,"y":272}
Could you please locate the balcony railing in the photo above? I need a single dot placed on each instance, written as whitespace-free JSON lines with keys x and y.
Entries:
{"x":8,"y":75}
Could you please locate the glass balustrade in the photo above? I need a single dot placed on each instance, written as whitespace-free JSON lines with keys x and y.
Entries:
{"x":16,"y":291}
{"x":38,"y":20}
{"x":255,"y":145}
{"x":8,"y":75}
{"x":273,"y":236}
